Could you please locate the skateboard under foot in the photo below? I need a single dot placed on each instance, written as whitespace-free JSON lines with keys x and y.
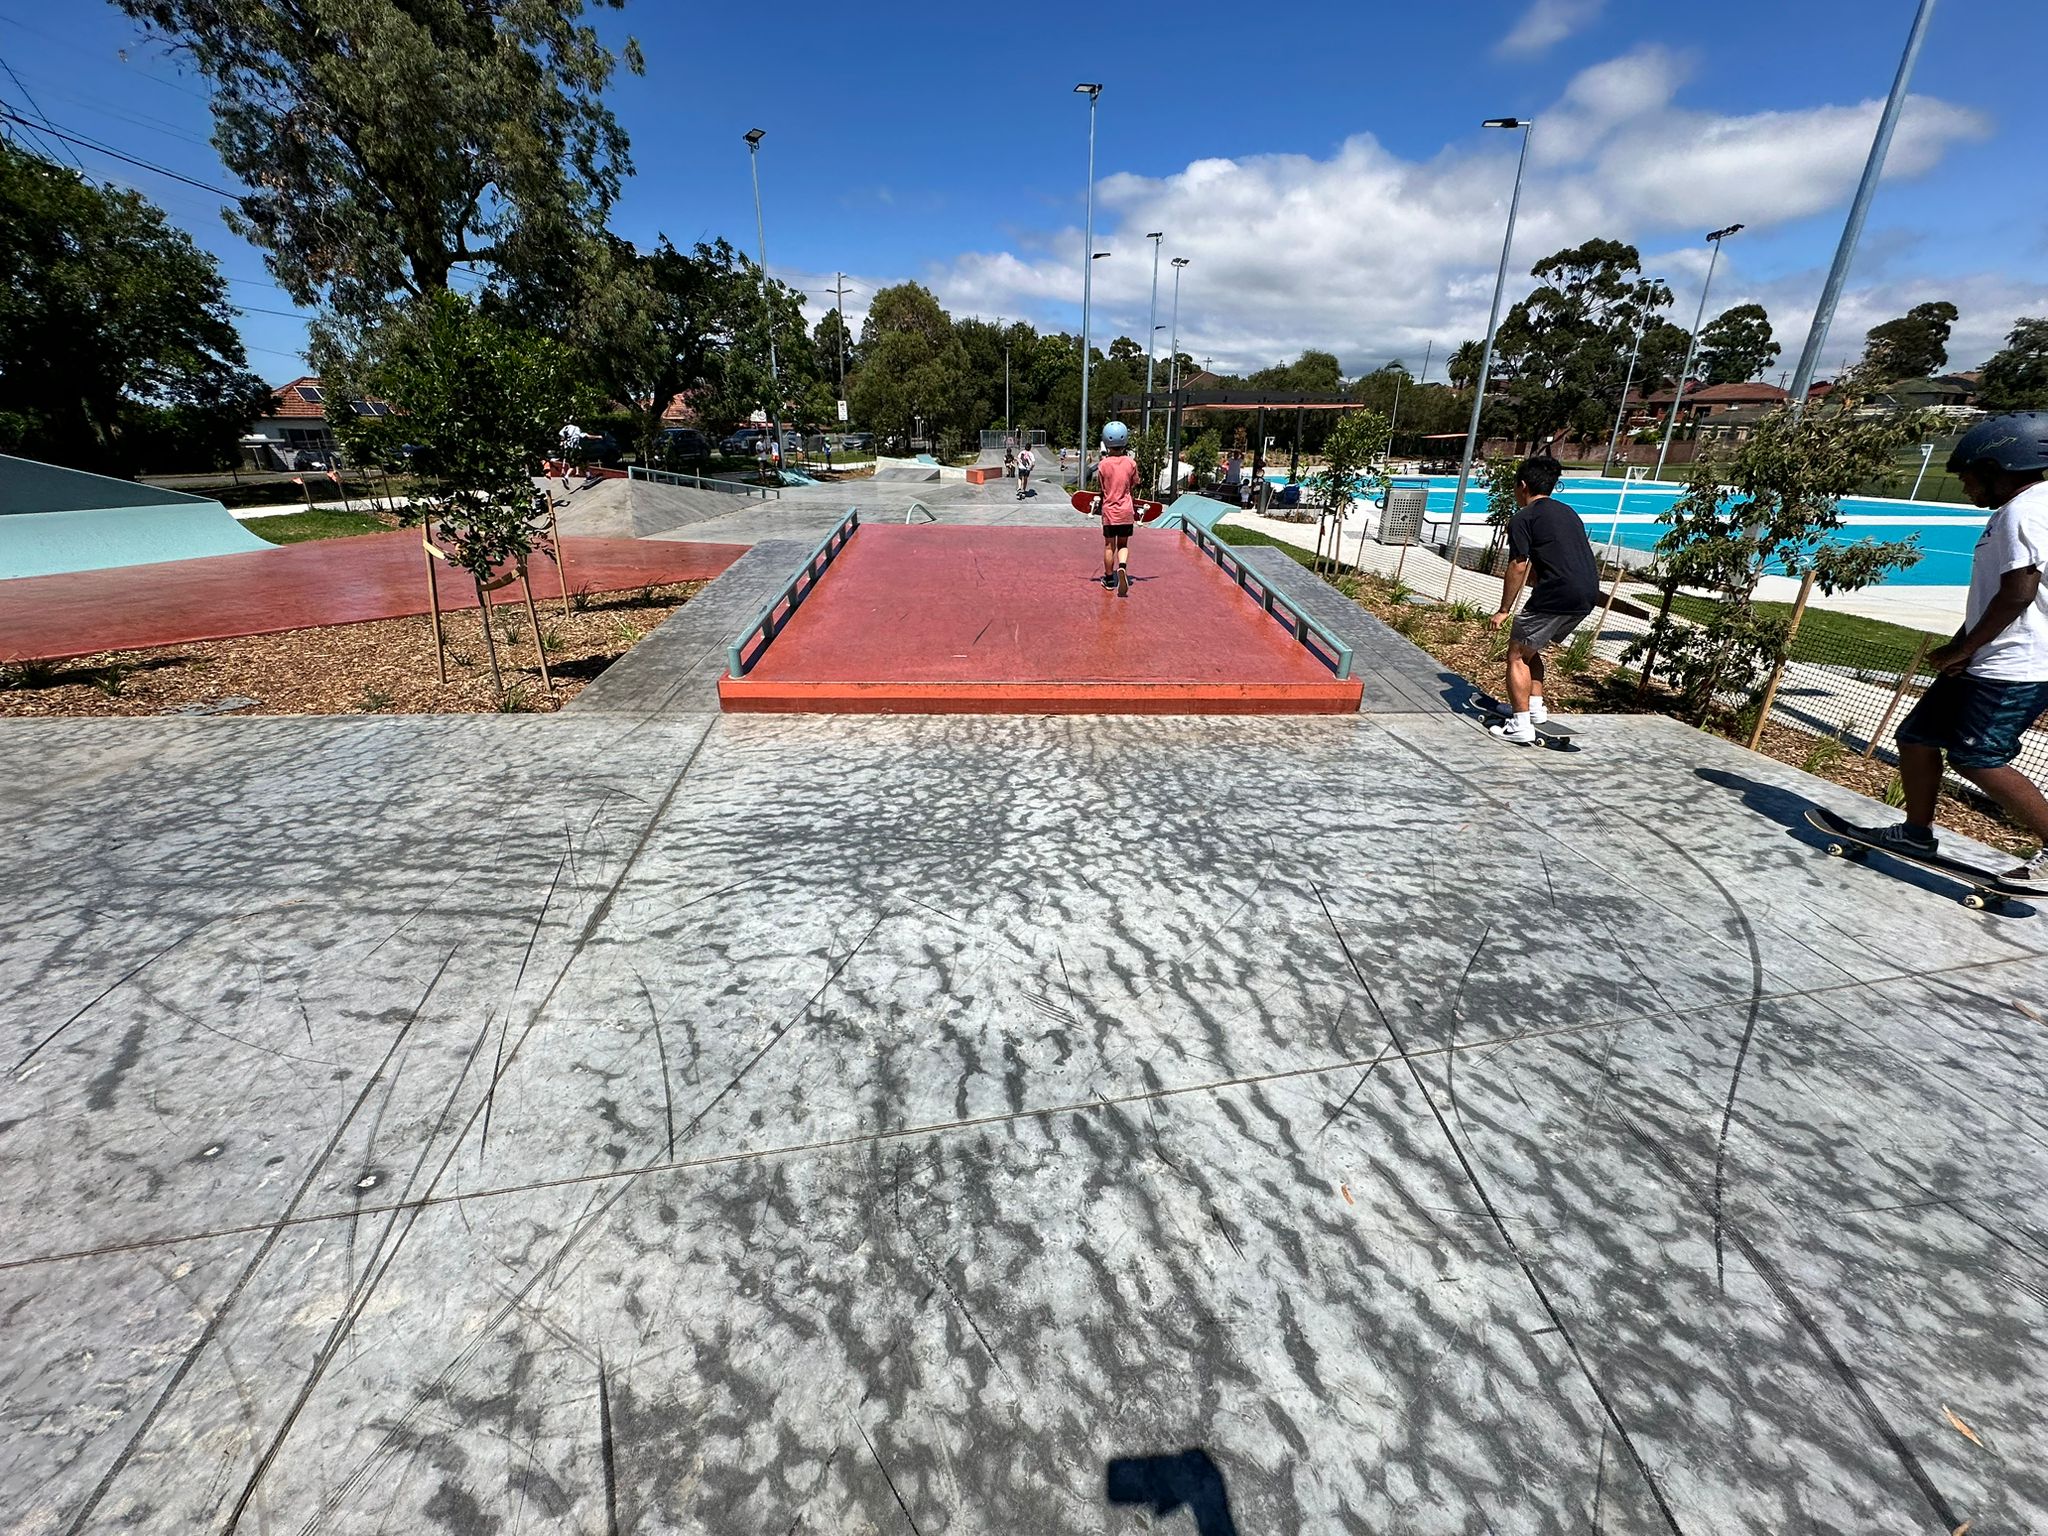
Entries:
{"x":1846,"y":840}
{"x":1548,"y":733}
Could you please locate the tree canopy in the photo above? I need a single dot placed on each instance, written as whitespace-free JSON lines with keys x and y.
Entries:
{"x":387,"y":142}
{"x":1912,"y":346}
{"x":2016,"y":377}
{"x":1736,"y":346}
{"x":1563,"y":351}
{"x":115,"y":329}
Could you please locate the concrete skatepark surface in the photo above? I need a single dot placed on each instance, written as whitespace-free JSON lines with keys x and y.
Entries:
{"x":54,"y":519}
{"x":647,"y":1119}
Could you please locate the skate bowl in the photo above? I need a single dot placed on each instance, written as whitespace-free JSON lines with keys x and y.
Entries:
{"x":959,"y":619}
{"x":55,"y":520}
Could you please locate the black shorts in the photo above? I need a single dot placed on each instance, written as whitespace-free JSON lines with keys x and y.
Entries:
{"x":1117,"y":530}
{"x":1540,"y":631}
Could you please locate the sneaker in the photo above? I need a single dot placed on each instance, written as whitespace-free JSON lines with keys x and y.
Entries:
{"x":2031,"y":877}
{"x":1517,"y":733}
{"x":1108,"y":583}
{"x":1903,"y":837}
{"x":1123,"y":581}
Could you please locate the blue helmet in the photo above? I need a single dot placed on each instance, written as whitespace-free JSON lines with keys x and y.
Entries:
{"x":1115,"y":435}
{"x":2018,"y":442}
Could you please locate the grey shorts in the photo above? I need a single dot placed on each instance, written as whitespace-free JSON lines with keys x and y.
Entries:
{"x":1540,"y":631}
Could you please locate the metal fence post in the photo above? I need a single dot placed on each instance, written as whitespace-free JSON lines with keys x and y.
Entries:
{"x":1905,"y":681}
{"x":1756,"y":733}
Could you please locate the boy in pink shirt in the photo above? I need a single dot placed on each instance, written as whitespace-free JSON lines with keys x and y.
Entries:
{"x":1117,"y":474}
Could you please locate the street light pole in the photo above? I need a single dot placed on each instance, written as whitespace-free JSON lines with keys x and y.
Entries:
{"x":1859,"y":209}
{"x":1092,"y":90}
{"x":839,"y":291}
{"x":1152,"y":327}
{"x":1173,"y":380}
{"x":754,"y":138}
{"x":1691,"y":347}
{"x":1492,"y":323}
{"x":1628,"y":382}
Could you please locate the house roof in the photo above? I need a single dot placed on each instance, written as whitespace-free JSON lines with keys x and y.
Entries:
{"x":1724,"y":394}
{"x":303,"y":399}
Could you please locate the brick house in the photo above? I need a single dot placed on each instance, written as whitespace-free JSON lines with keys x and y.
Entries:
{"x":294,"y":432}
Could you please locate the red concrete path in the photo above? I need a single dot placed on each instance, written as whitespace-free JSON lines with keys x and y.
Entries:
{"x":299,"y":586}
{"x":948,"y":619}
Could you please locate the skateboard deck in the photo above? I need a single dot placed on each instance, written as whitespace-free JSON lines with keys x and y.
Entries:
{"x":1084,"y":503}
{"x":1548,"y":734}
{"x":1846,"y":840}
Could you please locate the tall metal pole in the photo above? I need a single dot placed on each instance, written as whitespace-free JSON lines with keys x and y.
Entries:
{"x":1093,"y":91}
{"x":1859,"y":209}
{"x":1006,"y":389}
{"x":1627,"y":383}
{"x":1173,"y":380}
{"x":1492,"y":322}
{"x":1692,"y":346}
{"x":839,"y":291}
{"x":1428,"y":348}
{"x":754,"y":138}
{"x":1152,"y":327}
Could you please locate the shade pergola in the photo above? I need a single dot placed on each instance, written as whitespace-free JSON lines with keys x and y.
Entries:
{"x":1178,"y":402}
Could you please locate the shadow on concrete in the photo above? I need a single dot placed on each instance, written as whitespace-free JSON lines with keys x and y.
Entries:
{"x":1190,"y":1480}
{"x":1789,"y":809}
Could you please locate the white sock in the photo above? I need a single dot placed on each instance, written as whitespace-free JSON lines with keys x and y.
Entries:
{"x":1537,"y":711}
{"x":1522,"y":723}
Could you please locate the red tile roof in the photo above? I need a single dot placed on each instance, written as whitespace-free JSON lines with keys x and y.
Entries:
{"x":1725,"y":394}
{"x":288,"y":402}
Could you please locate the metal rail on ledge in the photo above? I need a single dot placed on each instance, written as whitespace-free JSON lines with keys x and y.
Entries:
{"x":1276,"y":602}
{"x":703,"y":482}
{"x":770,"y":622}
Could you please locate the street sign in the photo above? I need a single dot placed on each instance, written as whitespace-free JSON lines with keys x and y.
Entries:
{"x":842,"y":410}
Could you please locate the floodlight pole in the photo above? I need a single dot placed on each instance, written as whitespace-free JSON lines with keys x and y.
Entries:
{"x":1173,"y":381}
{"x":1692,"y":346}
{"x":1092,"y":91}
{"x":754,"y":137}
{"x":1627,"y":382}
{"x":1152,"y":329}
{"x":1492,"y":323}
{"x":1859,"y":209}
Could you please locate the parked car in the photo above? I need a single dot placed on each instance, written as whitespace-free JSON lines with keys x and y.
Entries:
{"x":857,"y":442}
{"x":684,"y":445}
{"x":742,"y":443}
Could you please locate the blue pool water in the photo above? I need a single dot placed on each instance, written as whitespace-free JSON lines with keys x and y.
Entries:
{"x":1948,"y":535}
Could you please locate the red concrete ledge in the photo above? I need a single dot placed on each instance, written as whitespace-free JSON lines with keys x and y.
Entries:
{"x":981,"y":475}
{"x":746,"y":695}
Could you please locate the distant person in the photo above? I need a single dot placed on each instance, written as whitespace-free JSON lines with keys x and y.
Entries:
{"x":570,"y":445}
{"x":1009,"y":463}
{"x":1026,"y":462}
{"x":1991,"y":680}
{"x":1546,"y":539}
{"x":1117,"y":473}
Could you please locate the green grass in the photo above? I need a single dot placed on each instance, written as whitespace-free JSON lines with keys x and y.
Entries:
{"x":1835,"y":639}
{"x":1229,"y":533}
{"x":298,"y":527}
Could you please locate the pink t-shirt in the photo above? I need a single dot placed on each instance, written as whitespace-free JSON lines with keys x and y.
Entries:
{"x":1118,"y":475}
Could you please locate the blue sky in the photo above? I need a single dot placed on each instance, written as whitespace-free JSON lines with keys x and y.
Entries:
{"x":1326,"y":176}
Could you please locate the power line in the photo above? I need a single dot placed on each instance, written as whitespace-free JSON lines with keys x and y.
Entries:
{"x":102,"y":149}
{"x":34,"y":105}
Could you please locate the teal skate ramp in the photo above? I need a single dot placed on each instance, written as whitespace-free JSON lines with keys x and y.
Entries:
{"x":54,"y":520}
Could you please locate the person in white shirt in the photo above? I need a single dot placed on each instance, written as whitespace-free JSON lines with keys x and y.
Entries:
{"x":1991,"y":680}
{"x":1026,"y":462}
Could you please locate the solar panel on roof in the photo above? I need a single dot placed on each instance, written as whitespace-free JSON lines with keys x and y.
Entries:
{"x":312,"y":395}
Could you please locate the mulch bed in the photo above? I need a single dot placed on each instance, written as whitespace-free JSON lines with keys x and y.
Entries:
{"x":1462,"y":640}
{"x":382,"y":667}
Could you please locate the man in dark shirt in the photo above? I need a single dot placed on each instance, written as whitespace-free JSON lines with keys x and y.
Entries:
{"x":1545,"y":538}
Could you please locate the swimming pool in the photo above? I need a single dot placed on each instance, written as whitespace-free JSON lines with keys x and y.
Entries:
{"x":1629,"y":516}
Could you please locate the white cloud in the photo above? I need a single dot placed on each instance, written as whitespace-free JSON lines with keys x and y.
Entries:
{"x":1547,"y":22}
{"x":1373,"y":255}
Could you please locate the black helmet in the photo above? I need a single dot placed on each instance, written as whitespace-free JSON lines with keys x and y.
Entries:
{"x":2018,"y":442}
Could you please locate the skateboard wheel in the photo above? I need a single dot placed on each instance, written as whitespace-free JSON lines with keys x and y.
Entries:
{"x":1838,"y":850}
{"x":1974,"y":902}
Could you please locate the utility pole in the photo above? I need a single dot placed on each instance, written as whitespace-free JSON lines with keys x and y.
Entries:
{"x":839,"y":292}
{"x":754,"y":137}
{"x":1092,"y":90}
